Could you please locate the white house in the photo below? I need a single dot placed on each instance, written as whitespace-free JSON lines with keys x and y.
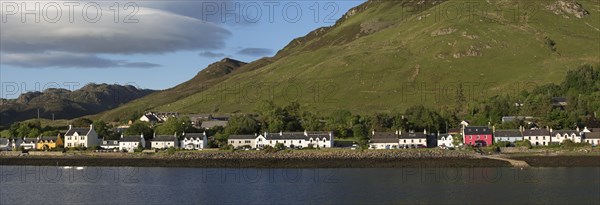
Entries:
{"x":537,"y":137}
{"x":383,"y":140}
{"x":558,"y":136}
{"x":193,"y":141}
{"x":84,"y":137}
{"x":130,"y":143}
{"x":296,"y":139}
{"x":29,"y":143}
{"x":238,"y":141}
{"x":445,"y":140}
{"x":412,"y":139}
{"x":5,"y":144}
{"x":150,"y":117}
{"x":110,"y":144}
{"x":508,"y":135}
{"x":592,"y":138}
{"x":164,"y":141}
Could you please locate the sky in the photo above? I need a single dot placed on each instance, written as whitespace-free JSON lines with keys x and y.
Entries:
{"x":148,"y":44}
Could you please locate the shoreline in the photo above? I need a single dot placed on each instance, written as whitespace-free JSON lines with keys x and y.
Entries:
{"x":296,"y":160}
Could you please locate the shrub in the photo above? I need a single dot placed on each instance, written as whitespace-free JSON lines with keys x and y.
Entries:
{"x":269,"y":149}
{"x":524,"y":143}
{"x":171,"y":150}
{"x":279,"y":146}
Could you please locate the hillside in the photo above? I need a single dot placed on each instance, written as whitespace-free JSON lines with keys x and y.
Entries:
{"x":387,"y":55}
{"x":66,"y":104}
{"x":211,"y":75}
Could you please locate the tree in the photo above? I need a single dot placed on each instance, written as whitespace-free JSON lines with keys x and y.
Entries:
{"x":104,"y":130}
{"x":81,"y":122}
{"x":242,"y":124}
{"x":140,"y":127}
{"x":174,"y":125}
{"x":361,"y":134}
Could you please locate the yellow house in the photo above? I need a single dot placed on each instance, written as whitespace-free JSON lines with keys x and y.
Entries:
{"x":47,"y":143}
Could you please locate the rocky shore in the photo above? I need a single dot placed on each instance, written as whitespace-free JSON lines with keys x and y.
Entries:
{"x":291,"y":159}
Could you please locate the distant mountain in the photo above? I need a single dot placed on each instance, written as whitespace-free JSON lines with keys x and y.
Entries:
{"x":387,"y":55}
{"x":66,"y":104}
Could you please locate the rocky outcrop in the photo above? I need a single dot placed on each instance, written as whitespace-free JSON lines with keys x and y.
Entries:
{"x":568,"y":6}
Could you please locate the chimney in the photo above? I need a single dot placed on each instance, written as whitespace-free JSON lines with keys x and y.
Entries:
{"x":121,"y":135}
{"x":142,"y":135}
{"x":551,"y":130}
{"x":305,"y":133}
{"x":70,"y":126}
{"x":494,"y":129}
{"x":577,"y":128}
{"x":280,"y":133}
{"x":373,"y":132}
{"x":154,"y":135}
{"x":91,"y":126}
{"x":396,"y":132}
{"x":425,"y":131}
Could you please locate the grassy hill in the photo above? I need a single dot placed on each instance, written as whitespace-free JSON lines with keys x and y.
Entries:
{"x":387,"y":55}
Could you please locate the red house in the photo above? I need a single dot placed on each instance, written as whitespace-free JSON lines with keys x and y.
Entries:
{"x":477,"y":136}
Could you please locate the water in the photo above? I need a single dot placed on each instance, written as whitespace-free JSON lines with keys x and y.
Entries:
{"x":128,"y":185}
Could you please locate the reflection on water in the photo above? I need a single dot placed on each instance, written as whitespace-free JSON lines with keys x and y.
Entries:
{"x":129,"y":185}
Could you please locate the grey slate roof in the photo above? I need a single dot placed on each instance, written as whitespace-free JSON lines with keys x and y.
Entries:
{"x":164,"y":138}
{"x":79,"y":130}
{"x":29,"y":140}
{"x":152,"y":118}
{"x":413,"y":135}
{"x":592,"y":135}
{"x":384,"y":137}
{"x":193,"y":135}
{"x":3,"y":141}
{"x":478,"y":130}
{"x":294,"y":136}
{"x":49,"y":138}
{"x":508,"y":133}
{"x":439,"y":137}
{"x":537,"y":132}
{"x":110,"y":142}
{"x":242,"y":137}
{"x":213,"y":123}
{"x":131,"y":138}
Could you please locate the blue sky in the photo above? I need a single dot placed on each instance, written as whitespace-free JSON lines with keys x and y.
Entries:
{"x":164,"y":44}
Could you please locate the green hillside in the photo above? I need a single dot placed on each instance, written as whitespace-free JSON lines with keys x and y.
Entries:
{"x":388,"y":55}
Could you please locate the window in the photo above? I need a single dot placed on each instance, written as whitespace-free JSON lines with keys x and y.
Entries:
{"x":300,"y":141}
{"x":470,"y":137}
{"x":478,"y":137}
{"x":485,"y":137}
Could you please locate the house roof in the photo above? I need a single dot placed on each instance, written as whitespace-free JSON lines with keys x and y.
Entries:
{"x":213,"y":123}
{"x":151,"y":118}
{"x":131,"y":138}
{"x":536,"y":132}
{"x":568,"y":132}
{"x":508,"y":133}
{"x":294,"y":136}
{"x":384,"y":137}
{"x":110,"y":142}
{"x":164,"y":138}
{"x":242,"y":137}
{"x":193,"y":135}
{"x":4,"y":141}
{"x":49,"y":138}
{"x":478,"y":130}
{"x":559,"y":101}
{"x":454,"y":130}
{"x":413,"y":135}
{"x":592,"y":135}
{"x":29,"y":140}
{"x":439,"y":137}
{"x":79,"y":130}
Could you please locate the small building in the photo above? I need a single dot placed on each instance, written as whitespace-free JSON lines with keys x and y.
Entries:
{"x":150,"y":117}
{"x":508,"y":136}
{"x":384,"y":140}
{"x":49,"y":142}
{"x":213,"y":123}
{"x":559,"y":102}
{"x":15,"y":143}
{"x":592,"y":138}
{"x":194,"y":141}
{"x":164,"y":141}
{"x":82,"y":137}
{"x":412,"y":139}
{"x":445,"y":140}
{"x":238,"y":141}
{"x":537,"y":137}
{"x":29,"y":143}
{"x":296,"y":139}
{"x":477,"y":136}
{"x":110,"y":144}
{"x":130,"y":143}
{"x":558,"y":136}
{"x":5,"y":144}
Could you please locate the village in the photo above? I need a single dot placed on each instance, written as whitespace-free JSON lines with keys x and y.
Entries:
{"x":86,"y":138}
